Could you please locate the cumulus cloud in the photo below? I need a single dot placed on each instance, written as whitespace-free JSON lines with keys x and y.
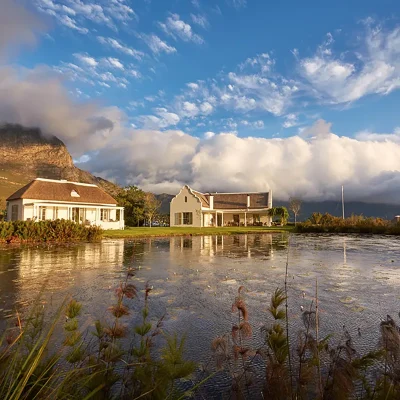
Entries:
{"x":314,"y":167}
{"x":18,"y":26}
{"x":177,"y":28}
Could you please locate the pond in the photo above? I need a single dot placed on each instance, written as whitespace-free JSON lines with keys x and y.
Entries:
{"x":195,"y":281}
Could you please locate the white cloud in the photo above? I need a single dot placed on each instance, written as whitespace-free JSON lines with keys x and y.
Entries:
{"x":110,"y":12}
{"x":291,"y":120}
{"x":316,"y":168}
{"x":71,"y":23}
{"x":259,"y":124}
{"x":117,"y":45}
{"x":200,"y":20}
{"x":206,"y":108}
{"x":113,"y":63}
{"x":192,"y":85}
{"x":161,"y":120}
{"x":349,"y":76}
{"x":238,"y":3}
{"x":367,"y":136}
{"x":85,"y":59}
{"x":157,"y":45}
{"x":177,"y":28}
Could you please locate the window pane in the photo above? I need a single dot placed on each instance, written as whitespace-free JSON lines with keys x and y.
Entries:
{"x":187,"y":218}
{"x":14,"y":212}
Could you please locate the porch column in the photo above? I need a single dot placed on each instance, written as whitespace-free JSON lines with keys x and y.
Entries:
{"x":245,"y":219}
{"x":216,"y":219}
{"x":222,"y":218}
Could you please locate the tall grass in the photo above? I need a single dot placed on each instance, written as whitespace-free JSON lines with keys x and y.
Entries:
{"x":47,"y":231}
{"x":319,"y":368}
{"x":326,"y":223}
{"x":97,"y":363}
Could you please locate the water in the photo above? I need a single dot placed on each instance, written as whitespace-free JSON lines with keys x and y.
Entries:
{"x":196,"y":279}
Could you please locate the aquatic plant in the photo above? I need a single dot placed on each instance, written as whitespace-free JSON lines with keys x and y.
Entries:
{"x":97,"y":363}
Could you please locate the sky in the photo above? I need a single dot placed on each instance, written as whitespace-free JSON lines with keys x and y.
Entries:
{"x":223,"y":95}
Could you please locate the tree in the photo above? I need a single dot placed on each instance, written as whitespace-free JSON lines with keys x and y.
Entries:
{"x":151,"y":207}
{"x":280,"y":212}
{"x":295,"y":206}
{"x":133,"y":199}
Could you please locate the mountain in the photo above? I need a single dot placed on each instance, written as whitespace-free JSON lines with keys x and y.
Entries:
{"x":26,"y":154}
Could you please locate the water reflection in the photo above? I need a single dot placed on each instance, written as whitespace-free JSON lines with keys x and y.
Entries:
{"x":195,"y":279}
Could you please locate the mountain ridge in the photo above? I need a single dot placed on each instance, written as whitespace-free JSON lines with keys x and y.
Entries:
{"x":26,"y":154}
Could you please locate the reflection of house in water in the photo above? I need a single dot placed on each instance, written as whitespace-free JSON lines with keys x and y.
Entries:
{"x":39,"y":262}
{"x":231,"y":245}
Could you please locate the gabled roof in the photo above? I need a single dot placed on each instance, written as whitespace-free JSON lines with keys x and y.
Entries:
{"x":202,"y":197}
{"x":63,"y":191}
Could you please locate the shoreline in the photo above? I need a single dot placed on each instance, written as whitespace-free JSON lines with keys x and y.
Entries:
{"x":143,"y":232}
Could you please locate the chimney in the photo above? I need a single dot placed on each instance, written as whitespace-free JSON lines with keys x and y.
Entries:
{"x":211,"y":200}
{"x":248,"y":201}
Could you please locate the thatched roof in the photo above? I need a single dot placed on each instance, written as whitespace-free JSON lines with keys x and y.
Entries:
{"x":239,"y":200}
{"x":231,"y":201}
{"x":63,"y":191}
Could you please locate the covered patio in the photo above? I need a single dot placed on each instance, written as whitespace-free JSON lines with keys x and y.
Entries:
{"x":236,"y":218}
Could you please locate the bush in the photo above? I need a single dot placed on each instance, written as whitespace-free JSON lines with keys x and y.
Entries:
{"x":48,"y":231}
{"x":328,"y":223}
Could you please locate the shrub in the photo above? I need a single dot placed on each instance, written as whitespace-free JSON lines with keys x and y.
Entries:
{"x":328,"y":223}
{"x":48,"y":231}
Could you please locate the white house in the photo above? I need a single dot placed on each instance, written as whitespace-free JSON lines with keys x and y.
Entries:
{"x":192,"y":208}
{"x":48,"y":199}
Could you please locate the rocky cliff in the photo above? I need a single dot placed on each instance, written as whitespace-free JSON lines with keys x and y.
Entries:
{"x":26,"y":154}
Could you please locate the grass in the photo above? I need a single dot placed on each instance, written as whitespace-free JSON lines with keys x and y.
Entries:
{"x":183,"y":231}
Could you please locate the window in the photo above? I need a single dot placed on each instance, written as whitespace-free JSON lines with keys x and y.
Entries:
{"x":256,"y":218}
{"x":42,"y":213}
{"x":14,"y":212}
{"x":78,"y":214}
{"x":118,"y":215}
{"x":187,"y":218}
{"x":185,"y":199}
{"x":236,"y":219}
{"x":178,"y":219}
{"x":104,"y":214}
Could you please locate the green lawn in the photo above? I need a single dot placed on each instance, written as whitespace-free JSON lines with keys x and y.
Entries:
{"x":167,"y":231}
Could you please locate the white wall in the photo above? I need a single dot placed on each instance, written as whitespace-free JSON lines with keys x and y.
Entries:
{"x":179,"y":205}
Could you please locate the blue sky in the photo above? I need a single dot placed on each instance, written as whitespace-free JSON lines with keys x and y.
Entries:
{"x":234,"y":95}
{"x":147,"y":56}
